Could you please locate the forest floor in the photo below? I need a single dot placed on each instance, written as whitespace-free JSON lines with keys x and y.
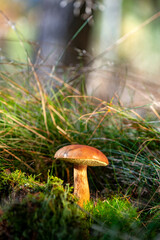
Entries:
{"x":36,"y":203}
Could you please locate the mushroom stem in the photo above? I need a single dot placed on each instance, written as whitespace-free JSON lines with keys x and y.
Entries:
{"x":81,"y":186}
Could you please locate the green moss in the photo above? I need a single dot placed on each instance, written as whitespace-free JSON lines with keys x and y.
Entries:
{"x":19,"y":184}
{"x":117,"y":213}
{"x":47,"y":212}
{"x":44,"y":217}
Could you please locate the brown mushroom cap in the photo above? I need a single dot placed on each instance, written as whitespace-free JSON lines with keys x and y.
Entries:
{"x":82,"y":154}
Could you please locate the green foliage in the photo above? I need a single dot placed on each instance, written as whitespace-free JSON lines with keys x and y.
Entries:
{"x":117,"y":219}
{"x":39,"y":210}
{"x":115,"y":213}
{"x":152,"y":223}
{"x":19,"y":178}
{"x":17,"y":183}
{"x":51,"y":213}
{"x":43,"y":216}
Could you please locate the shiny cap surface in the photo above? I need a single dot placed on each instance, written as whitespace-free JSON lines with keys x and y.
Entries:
{"x":82,"y":154}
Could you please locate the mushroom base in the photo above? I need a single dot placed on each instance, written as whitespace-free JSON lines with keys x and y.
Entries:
{"x":81,"y":186}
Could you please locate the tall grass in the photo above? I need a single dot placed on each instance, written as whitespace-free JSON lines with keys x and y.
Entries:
{"x":35,"y":124}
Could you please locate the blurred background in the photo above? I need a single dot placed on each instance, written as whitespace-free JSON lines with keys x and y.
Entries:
{"x":76,"y":40}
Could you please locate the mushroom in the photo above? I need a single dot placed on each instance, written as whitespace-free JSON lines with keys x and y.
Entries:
{"x":82,"y":156}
